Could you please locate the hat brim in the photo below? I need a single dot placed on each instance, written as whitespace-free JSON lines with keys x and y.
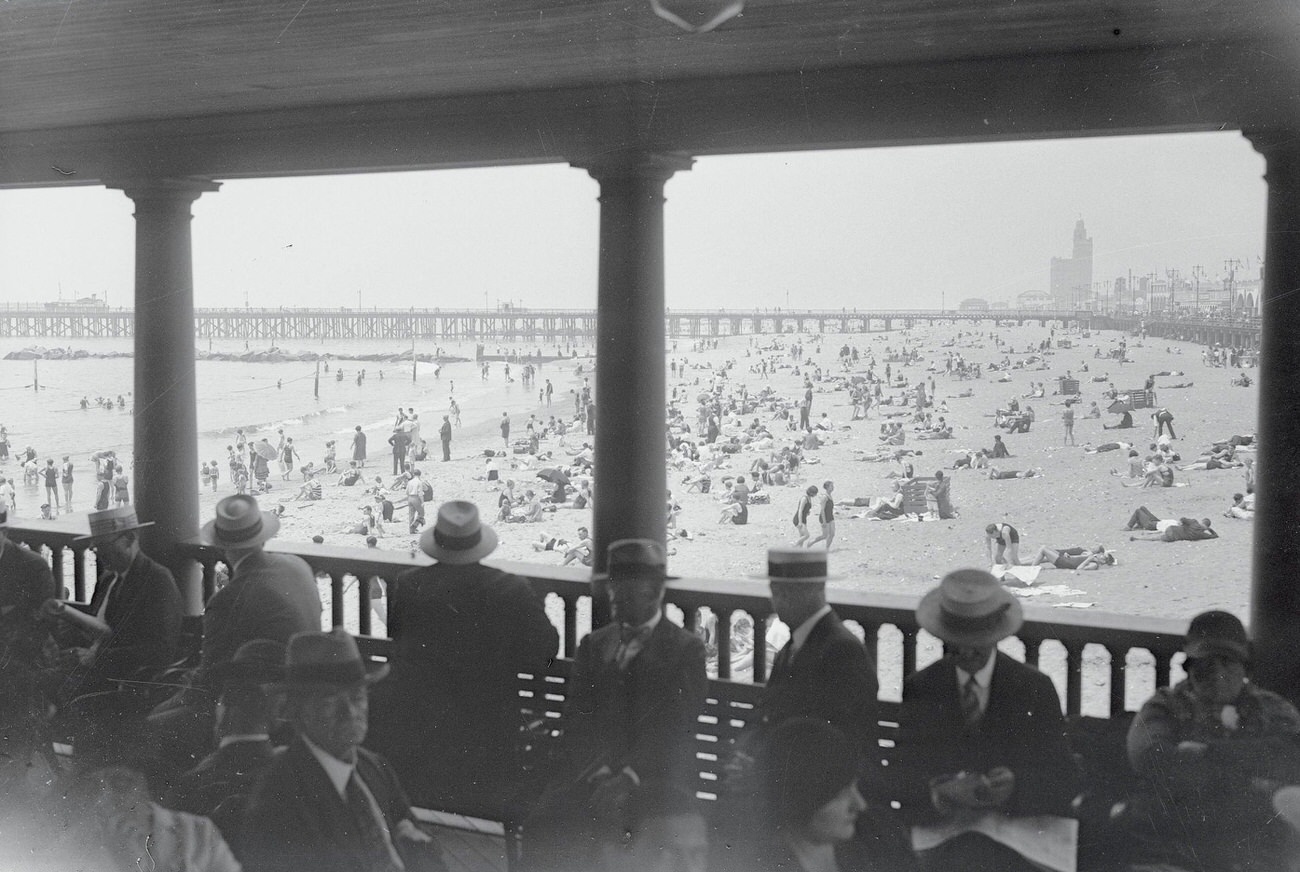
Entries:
{"x":456,"y":556}
{"x":108,"y":534}
{"x":763,"y":576}
{"x":375,"y":672}
{"x":605,"y":576}
{"x":929,"y":614}
{"x":270,"y":526}
{"x":1202,"y":648}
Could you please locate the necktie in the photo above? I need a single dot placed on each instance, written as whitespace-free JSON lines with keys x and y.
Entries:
{"x":631,"y":641}
{"x":110,"y":582}
{"x":970,"y":703}
{"x":371,"y":830}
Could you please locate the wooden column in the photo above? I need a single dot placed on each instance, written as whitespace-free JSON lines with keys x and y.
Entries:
{"x":1275,"y":596}
{"x":629,"y":449}
{"x":166,"y":432}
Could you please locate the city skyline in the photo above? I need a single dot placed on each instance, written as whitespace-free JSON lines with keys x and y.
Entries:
{"x":877,"y":228}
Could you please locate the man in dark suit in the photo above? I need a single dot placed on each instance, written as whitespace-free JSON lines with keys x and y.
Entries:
{"x":448,"y":716}
{"x":269,"y":596}
{"x":327,"y":804}
{"x":635,"y":693}
{"x":823,"y":671}
{"x":981,"y":738}
{"x":133,"y":625}
{"x":220,"y":785}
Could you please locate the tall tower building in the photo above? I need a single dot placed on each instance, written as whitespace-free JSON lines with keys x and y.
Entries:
{"x":1071,"y":277}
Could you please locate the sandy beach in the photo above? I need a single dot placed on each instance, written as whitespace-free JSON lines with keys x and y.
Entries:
{"x":1075,"y":502}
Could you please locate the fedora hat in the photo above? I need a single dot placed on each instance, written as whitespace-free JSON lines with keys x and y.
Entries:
{"x":458,"y":536}
{"x":1216,"y":633}
{"x":635,"y":558}
{"x":327,"y":660}
{"x":785,"y":563}
{"x":239,"y":523}
{"x":110,"y":522}
{"x":259,"y":661}
{"x":970,"y":607}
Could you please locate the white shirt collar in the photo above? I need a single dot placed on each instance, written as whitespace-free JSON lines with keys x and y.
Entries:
{"x":233,"y":738}
{"x":801,"y":633}
{"x":336,"y":770}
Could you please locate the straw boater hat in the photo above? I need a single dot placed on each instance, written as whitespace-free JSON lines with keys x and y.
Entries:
{"x":970,"y":607}
{"x":327,"y":661}
{"x":795,"y":564}
{"x":458,"y":536}
{"x":110,"y":522}
{"x":635,"y":558}
{"x":239,"y":524}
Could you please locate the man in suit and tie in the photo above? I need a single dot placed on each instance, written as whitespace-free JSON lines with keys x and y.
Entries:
{"x":220,"y":785}
{"x":133,"y":625}
{"x":982,"y":743}
{"x":823,"y":671}
{"x":635,"y":693}
{"x":449,"y":715}
{"x":269,"y":596}
{"x":327,"y":804}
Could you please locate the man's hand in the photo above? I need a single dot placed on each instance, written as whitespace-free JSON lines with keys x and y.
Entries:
{"x":999,"y":784}
{"x":611,"y":794}
{"x":406,"y":829}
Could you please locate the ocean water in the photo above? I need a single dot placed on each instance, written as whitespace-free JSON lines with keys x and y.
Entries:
{"x":233,"y":395}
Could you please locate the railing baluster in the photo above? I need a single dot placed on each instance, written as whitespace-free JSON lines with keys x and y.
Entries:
{"x":56,"y":567}
{"x":760,"y":646}
{"x":79,"y":574}
{"x":1163,"y":666}
{"x":724,"y":644}
{"x":336,"y":599}
{"x":363,"y":605}
{"x":570,"y":625}
{"x":1073,"y":678}
{"x":909,"y":649}
{"x":209,"y":578}
{"x":1031,"y":651}
{"x":1118,"y":674}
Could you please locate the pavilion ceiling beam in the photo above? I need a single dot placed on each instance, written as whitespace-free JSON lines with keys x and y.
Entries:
{"x":1016,"y":98}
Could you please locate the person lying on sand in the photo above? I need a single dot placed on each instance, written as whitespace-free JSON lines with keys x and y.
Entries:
{"x":1076,"y":558}
{"x":996,"y":474}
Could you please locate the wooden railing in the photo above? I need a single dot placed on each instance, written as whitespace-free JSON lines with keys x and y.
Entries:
{"x":1103,"y":664}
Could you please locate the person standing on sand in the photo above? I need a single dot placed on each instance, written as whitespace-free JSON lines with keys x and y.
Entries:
{"x":65,"y":477}
{"x":444,"y":433}
{"x":826,"y":516}
{"x":801,"y":514}
{"x":941,"y":490}
{"x":505,"y":429}
{"x":359,"y":447}
{"x":1067,"y":418}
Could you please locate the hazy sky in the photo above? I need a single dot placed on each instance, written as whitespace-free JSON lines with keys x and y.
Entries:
{"x":879,"y":228}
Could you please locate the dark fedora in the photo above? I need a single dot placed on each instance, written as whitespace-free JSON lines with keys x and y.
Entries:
{"x":1217,"y":633}
{"x":239,"y":523}
{"x":259,"y":661}
{"x":970,"y":607}
{"x":458,"y":536}
{"x":328,"y":661}
{"x":635,"y":558}
{"x":110,"y":522}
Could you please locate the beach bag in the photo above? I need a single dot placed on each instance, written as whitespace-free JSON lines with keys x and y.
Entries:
{"x":428,"y":492}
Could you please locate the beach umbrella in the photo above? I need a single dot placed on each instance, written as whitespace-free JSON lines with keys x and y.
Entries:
{"x":266,"y":449}
{"x":553,"y":475}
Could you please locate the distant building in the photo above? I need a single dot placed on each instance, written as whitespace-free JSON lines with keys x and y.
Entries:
{"x":1071,"y":277}
{"x":974,"y":304}
{"x":1034,"y":300}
